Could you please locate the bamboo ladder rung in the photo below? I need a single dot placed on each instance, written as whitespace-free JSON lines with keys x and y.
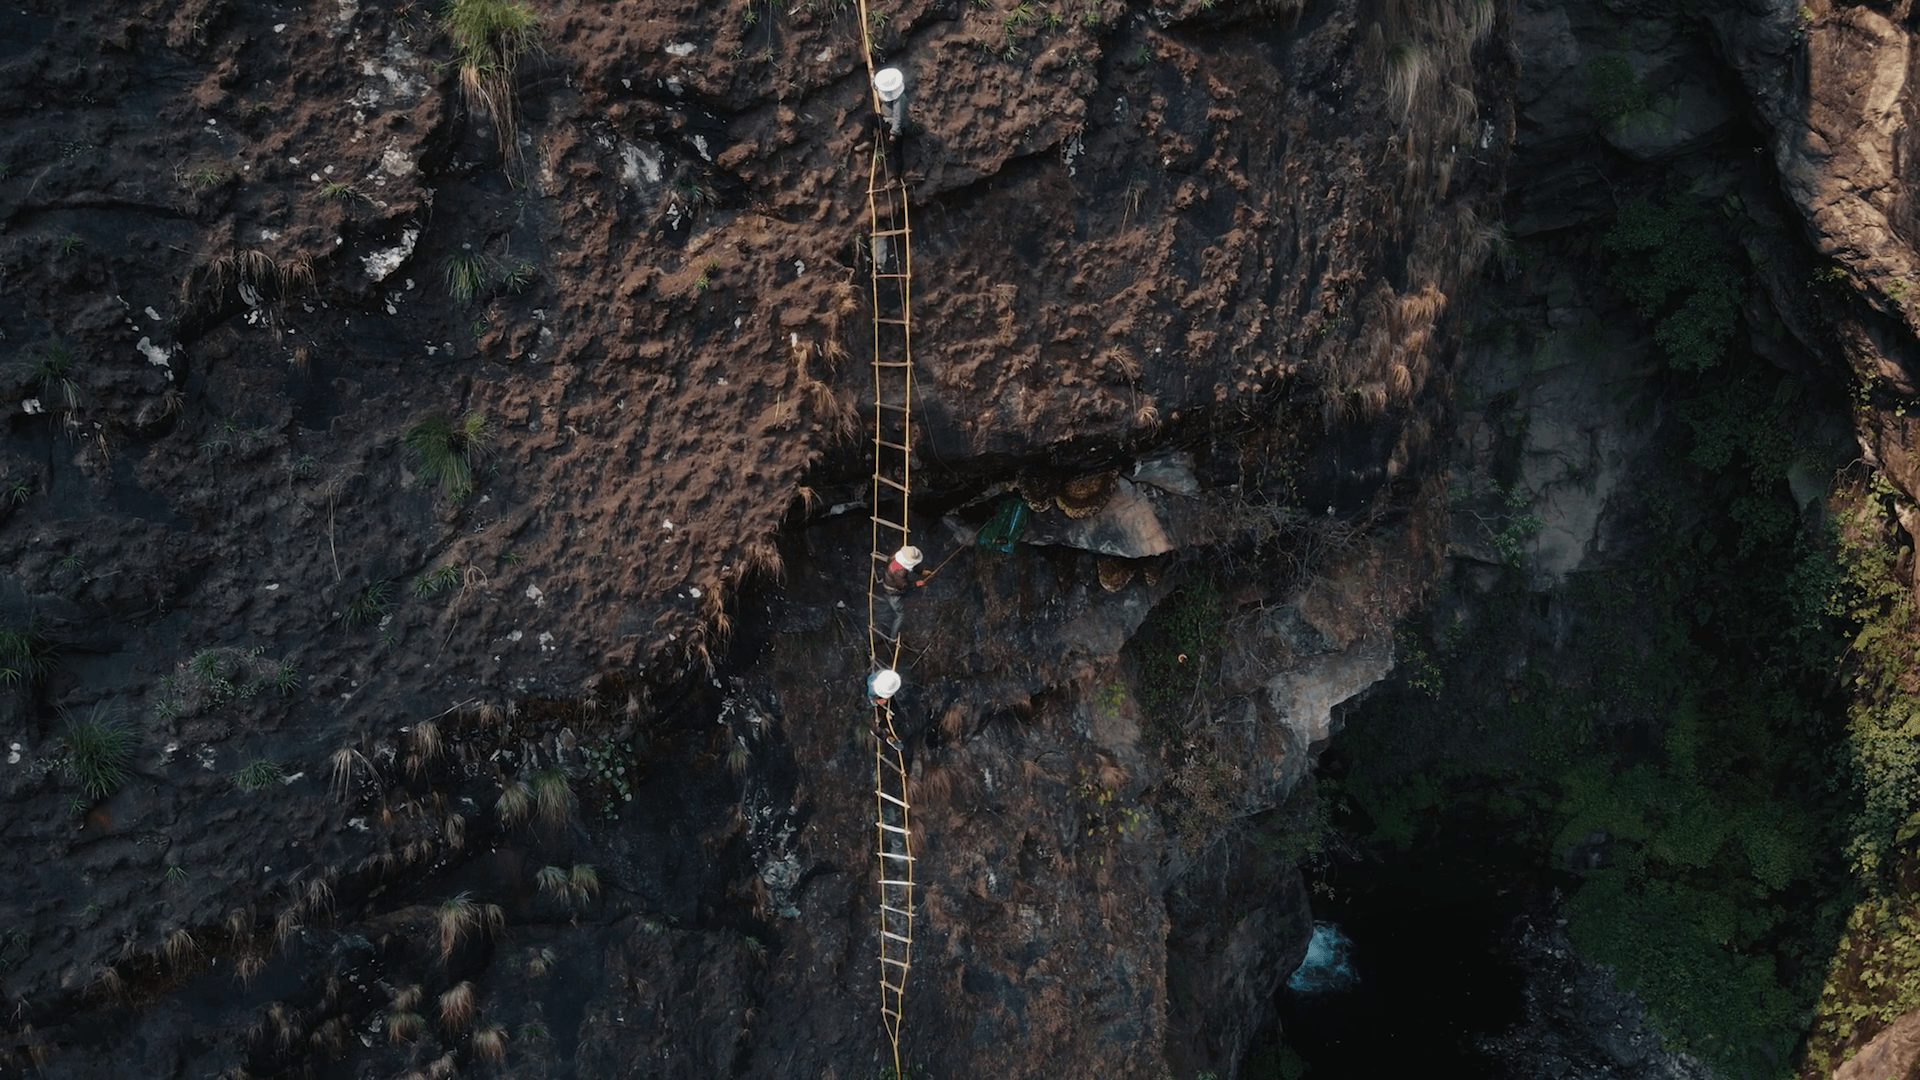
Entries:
{"x":891,"y":910}
{"x":894,"y":484}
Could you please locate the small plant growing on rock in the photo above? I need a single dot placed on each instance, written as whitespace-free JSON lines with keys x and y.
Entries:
{"x":552,"y":880}
{"x":445,"y":454}
{"x":458,"y":917}
{"x":258,"y":775}
{"x":371,"y":604}
{"x":490,"y":38}
{"x":25,"y":654}
{"x":437,"y":581}
{"x":515,"y":803}
{"x":98,"y":747}
{"x":456,"y":1006}
{"x":540,"y":962}
{"x":490,"y":1043}
{"x":467,"y":276}
{"x":53,"y":374}
{"x":404,"y":1027}
{"x":554,"y":797}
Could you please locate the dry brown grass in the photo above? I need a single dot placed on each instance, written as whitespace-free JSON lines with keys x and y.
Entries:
{"x":347,"y":763}
{"x":456,"y":1006}
{"x":553,"y":798}
{"x":179,"y":947}
{"x":515,"y":804}
{"x":109,"y":986}
{"x":329,"y":1040}
{"x":953,"y":722}
{"x":425,"y":740}
{"x":319,"y":897}
{"x":407,"y":998}
{"x":248,"y":965}
{"x":490,"y":1044}
{"x":287,"y":924}
{"x":932,"y":784}
{"x":762,"y":559}
{"x":404,"y":1027}
{"x":457,"y":917}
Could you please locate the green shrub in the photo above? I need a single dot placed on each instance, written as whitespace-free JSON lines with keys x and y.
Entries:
{"x":446,"y":455}
{"x":259,"y":774}
{"x":98,"y":746}
{"x":1174,"y":649}
{"x":1682,"y":271}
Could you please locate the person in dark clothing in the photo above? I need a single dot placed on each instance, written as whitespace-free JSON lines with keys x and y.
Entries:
{"x":900,"y":577}
{"x":900,"y":570}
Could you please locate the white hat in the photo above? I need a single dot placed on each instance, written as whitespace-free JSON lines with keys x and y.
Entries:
{"x":908,"y":557}
{"x":884,"y":683}
{"x":890,"y":82}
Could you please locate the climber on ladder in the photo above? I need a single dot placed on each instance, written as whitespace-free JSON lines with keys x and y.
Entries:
{"x":891,"y":122}
{"x":900,"y":577}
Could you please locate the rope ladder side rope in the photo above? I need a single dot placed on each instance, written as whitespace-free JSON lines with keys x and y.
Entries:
{"x":891,"y":263}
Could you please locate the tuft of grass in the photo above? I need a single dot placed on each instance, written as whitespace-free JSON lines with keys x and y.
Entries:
{"x":458,"y":917}
{"x":552,"y":880}
{"x":53,"y":373}
{"x":258,"y":775}
{"x":468,"y":276}
{"x":515,"y":803}
{"x":456,"y":1006}
{"x":540,"y":962}
{"x":436,"y":581}
{"x":178,"y":946}
{"x":1410,"y":70}
{"x":583,"y":883}
{"x":446,"y":455}
{"x":346,"y":762}
{"x":521,"y":275}
{"x":553,"y":796}
{"x":339,"y":190}
{"x":404,"y":1027}
{"x":371,"y":605}
{"x":25,"y":654}
{"x":490,"y":38}
{"x":98,"y":747}
{"x":490,"y":1043}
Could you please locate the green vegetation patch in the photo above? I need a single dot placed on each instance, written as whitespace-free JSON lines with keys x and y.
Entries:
{"x":1174,"y":651}
{"x":446,"y":454}
{"x":1679,"y":266}
{"x":98,"y":745}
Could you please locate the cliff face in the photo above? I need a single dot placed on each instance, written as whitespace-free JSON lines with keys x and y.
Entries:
{"x":255,"y":248}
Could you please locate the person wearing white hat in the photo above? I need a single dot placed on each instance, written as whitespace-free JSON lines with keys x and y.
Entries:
{"x":882,"y":685}
{"x":896,"y":581}
{"x":900,"y":576}
{"x":891,"y":86}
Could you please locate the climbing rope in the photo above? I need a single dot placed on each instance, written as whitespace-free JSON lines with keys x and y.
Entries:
{"x":891,"y":260}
